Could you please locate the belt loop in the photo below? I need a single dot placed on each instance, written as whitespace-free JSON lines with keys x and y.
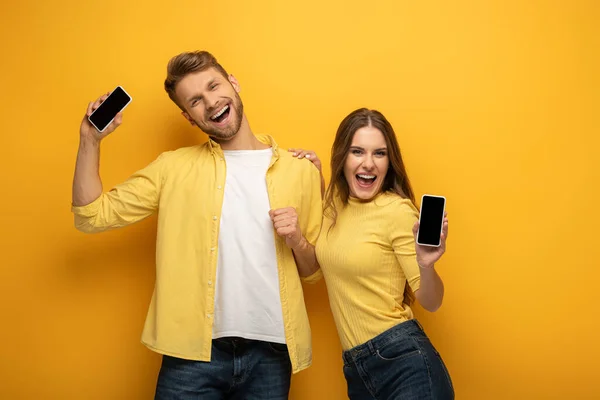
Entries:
{"x":372,"y":348}
{"x":419,"y":324}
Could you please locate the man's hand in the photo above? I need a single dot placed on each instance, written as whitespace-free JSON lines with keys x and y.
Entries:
{"x":87,"y":130}
{"x":285,"y":222}
{"x":87,"y":185}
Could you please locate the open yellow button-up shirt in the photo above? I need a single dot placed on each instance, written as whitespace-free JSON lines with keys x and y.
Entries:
{"x":186,"y":187}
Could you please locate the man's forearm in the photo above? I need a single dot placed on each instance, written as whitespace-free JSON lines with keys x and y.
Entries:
{"x":306,"y":258}
{"x":87,"y":185}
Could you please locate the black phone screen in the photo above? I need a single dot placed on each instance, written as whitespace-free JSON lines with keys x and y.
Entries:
{"x":432,"y":218}
{"x":107,"y":111}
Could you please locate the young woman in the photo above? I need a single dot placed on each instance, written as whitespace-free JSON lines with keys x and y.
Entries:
{"x":374,"y":269}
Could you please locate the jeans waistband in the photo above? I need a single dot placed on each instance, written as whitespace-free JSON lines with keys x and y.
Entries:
{"x":368,"y":348}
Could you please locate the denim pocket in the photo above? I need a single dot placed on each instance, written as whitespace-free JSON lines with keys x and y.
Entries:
{"x":278,"y":348}
{"x":397,"y":349}
{"x":443,"y":365}
{"x":436,"y":366}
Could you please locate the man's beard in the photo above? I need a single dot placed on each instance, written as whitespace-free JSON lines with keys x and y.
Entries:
{"x":232,"y":127}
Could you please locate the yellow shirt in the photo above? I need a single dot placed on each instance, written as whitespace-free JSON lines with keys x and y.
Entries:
{"x":366,"y":259}
{"x":186,"y":186}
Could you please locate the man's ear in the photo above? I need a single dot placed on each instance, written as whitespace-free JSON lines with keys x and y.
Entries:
{"x":234,"y":83}
{"x":187,"y":116}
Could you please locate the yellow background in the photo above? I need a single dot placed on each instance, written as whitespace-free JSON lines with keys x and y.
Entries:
{"x":495,"y":104}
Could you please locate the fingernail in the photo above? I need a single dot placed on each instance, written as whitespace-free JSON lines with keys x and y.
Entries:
{"x":307,"y":156}
{"x":294,"y":153}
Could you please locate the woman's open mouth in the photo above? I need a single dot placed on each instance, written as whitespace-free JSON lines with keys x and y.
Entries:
{"x":365,"y":180}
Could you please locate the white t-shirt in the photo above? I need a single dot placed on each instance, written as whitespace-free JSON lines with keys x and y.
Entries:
{"x":247,"y":297}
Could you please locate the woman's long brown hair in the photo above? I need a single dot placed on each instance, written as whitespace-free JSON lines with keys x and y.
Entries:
{"x":395,"y":181}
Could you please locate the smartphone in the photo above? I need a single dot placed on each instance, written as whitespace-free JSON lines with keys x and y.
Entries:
{"x":108,"y":110}
{"x":431,"y":220}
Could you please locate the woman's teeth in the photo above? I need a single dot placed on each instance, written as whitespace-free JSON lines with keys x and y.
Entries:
{"x":366,"y":176}
{"x":365,"y":179}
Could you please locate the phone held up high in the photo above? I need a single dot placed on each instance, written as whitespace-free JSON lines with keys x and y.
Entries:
{"x":431,"y":220}
{"x":116,"y":102}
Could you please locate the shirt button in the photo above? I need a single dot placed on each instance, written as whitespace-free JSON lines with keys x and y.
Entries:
{"x":219,"y":187}
{"x":208,"y":316}
{"x":214,"y":217}
{"x":209,"y":283}
{"x":212,"y":249}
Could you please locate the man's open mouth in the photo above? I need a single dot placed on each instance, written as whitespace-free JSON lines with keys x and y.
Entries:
{"x":221,"y":115}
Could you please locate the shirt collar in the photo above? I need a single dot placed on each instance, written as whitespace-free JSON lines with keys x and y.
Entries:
{"x":215,"y":147}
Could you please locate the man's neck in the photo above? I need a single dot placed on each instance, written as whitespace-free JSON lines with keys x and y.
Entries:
{"x":244,"y":139}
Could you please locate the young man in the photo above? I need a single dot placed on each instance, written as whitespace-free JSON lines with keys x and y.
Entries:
{"x":237,"y":222}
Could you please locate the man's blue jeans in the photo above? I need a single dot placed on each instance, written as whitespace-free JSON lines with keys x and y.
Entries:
{"x":239,"y":369}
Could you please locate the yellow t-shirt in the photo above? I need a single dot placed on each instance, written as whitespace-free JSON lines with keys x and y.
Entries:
{"x":367,"y":258}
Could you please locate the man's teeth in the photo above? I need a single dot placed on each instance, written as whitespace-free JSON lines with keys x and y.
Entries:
{"x":217,"y":115}
{"x":366,"y":176}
